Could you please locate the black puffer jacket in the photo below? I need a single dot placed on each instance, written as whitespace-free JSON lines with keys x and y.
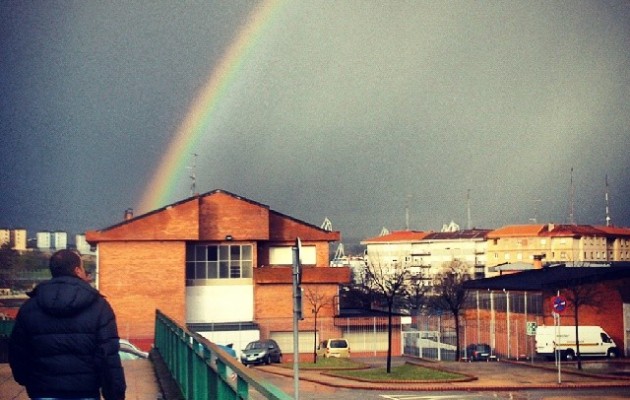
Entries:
{"x":65,"y":343}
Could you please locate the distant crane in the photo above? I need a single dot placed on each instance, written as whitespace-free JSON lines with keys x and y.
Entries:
{"x":340,"y":253}
{"x":327,"y":225}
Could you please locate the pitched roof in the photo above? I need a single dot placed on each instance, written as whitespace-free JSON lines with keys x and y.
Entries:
{"x":614,"y":230}
{"x":398,"y":237}
{"x":552,"y":230}
{"x":463,"y":234}
{"x":150,"y":226}
{"x":516,"y":231}
{"x":550,"y":278}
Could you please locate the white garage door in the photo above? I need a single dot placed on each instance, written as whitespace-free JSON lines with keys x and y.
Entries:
{"x":285,"y":341}
{"x":366,"y":341}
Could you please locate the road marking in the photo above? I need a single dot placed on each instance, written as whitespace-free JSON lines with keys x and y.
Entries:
{"x":424,"y":397}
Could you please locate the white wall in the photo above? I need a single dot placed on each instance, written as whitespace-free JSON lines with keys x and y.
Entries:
{"x":220,"y":303}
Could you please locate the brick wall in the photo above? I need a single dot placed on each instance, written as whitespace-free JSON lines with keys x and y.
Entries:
{"x":223,"y":215}
{"x":607,"y":311}
{"x":140,"y":277}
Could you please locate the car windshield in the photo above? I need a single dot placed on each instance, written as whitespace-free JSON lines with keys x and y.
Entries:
{"x":338,"y":344}
{"x":255,"y":345}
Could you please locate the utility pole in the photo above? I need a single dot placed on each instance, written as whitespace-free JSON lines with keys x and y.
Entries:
{"x":572,"y":201}
{"x":469,"y":226}
{"x":608,"y":219}
{"x":297,"y":315}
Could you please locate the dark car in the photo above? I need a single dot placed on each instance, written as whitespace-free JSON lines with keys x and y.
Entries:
{"x":478,"y":352}
{"x":261,"y":351}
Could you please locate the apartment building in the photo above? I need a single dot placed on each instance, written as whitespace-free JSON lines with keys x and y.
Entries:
{"x":82,"y":245}
{"x":16,"y":238}
{"x":540,"y":244}
{"x":425,"y":254}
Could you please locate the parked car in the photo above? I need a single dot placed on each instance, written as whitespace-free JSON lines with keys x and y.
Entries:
{"x":128,"y":351}
{"x":261,"y":351}
{"x":339,"y":348}
{"x":478,"y":352}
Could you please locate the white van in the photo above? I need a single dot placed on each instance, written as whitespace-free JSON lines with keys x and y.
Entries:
{"x":594,"y":341}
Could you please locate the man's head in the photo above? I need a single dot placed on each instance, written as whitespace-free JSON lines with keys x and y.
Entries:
{"x":67,"y":263}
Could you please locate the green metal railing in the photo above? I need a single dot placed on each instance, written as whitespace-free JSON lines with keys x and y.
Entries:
{"x":203,"y":370}
{"x":6,"y":327}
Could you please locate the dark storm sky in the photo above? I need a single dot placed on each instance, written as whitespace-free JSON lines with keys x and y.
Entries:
{"x":348,"y":110}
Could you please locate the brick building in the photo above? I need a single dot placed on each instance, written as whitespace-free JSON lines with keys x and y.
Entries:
{"x":219,"y":263}
{"x":603,"y":291}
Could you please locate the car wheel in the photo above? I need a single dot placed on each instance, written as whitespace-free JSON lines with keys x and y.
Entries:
{"x":569,"y":355}
{"x":279,"y":359}
{"x":268,"y":360}
{"x":612,"y":353}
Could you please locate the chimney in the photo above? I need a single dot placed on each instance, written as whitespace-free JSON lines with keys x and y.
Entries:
{"x":128,"y":214}
{"x":538,"y":260}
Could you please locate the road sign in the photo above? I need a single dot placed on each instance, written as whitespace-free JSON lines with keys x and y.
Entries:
{"x":559,"y":304}
{"x":531,"y":328}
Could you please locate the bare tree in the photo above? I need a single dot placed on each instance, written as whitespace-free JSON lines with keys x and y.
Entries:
{"x":450,"y":294}
{"x":389,"y":283}
{"x":317,"y":301}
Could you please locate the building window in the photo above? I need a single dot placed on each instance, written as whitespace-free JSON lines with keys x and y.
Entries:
{"x":209,"y":261}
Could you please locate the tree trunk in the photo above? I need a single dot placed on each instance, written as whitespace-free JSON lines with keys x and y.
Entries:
{"x":457,"y":348}
{"x":577,"y":339}
{"x":389,"y":337}
{"x":315,"y":341}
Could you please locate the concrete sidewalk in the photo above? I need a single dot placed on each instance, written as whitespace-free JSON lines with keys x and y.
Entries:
{"x":139,"y":374}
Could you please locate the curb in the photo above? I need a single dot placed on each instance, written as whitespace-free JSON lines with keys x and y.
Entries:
{"x":452,"y":385}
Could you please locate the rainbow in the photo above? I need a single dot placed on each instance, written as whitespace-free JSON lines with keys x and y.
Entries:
{"x":160,"y":189}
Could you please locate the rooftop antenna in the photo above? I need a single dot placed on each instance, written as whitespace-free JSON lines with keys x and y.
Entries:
{"x":572,"y":201}
{"x":407,"y":212}
{"x":608,"y":219}
{"x":193,"y":176}
{"x":535,"y":219}
{"x":468,"y":207}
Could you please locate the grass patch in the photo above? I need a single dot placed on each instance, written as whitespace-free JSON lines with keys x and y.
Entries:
{"x":330,"y":364}
{"x":406,"y":372}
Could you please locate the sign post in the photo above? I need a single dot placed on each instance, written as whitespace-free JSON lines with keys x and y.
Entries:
{"x":297,"y":315}
{"x":558,"y":304}
{"x":531,"y":331}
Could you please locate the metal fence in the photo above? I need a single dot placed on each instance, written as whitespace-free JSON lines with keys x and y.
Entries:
{"x":202,"y":370}
{"x":434,"y":337}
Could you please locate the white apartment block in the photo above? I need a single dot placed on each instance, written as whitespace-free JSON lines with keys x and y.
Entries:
{"x":82,"y":245}
{"x":16,"y":238}
{"x":426,"y":254}
{"x":52,"y":240}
